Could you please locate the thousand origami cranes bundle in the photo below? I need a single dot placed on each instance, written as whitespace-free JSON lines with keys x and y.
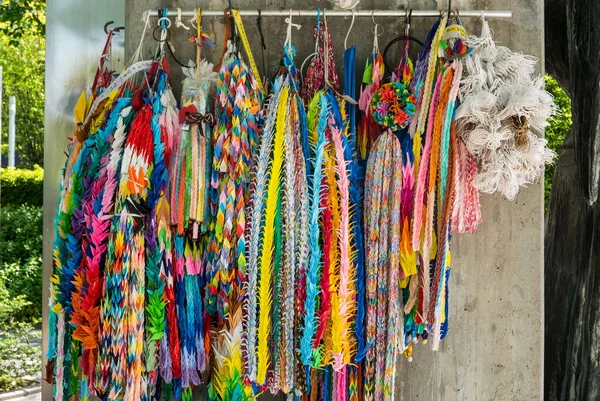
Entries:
{"x":285,"y":236}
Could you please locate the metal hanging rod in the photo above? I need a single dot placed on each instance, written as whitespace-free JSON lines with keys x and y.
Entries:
{"x":342,"y":13}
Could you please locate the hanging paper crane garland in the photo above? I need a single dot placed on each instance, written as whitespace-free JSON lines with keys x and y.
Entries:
{"x":288,"y":246}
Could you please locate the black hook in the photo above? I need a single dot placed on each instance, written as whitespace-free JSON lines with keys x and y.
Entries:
{"x":260,"y":32}
{"x":449,"y":8}
{"x":263,"y":46}
{"x":387,"y":48}
{"x":235,"y":40}
{"x":106,"y":26}
{"x":115,"y":30}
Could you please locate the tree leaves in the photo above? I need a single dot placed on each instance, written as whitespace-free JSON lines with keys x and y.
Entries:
{"x":23,"y":58}
{"x":21,"y":18}
{"x":556,"y":132}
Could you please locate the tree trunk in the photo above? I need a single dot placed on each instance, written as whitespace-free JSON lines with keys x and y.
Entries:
{"x":572,"y":288}
{"x":572,"y":238}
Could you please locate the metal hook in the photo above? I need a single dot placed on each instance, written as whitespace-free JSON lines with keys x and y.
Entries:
{"x":260,"y":32}
{"x":351,"y":24}
{"x":232,"y":29}
{"x":115,"y":30}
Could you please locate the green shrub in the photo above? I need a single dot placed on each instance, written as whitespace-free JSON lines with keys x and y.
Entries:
{"x":18,"y":355}
{"x":25,"y":280}
{"x":21,"y":256}
{"x":556,"y":132}
{"x":21,"y":186}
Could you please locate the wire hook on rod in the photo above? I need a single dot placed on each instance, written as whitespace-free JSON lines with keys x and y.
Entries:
{"x":115,"y":30}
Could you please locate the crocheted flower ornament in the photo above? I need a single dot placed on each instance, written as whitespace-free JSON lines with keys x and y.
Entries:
{"x":393,"y":106}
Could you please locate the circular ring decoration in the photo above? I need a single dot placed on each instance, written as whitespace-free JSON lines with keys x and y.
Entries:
{"x":393,"y":106}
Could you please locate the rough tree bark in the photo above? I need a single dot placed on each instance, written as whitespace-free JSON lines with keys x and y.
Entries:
{"x":572,"y":238}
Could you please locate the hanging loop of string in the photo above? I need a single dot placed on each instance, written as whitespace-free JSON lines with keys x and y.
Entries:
{"x":375,"y":29}
{"x":137,"y":55}
{"x":288,"y":39}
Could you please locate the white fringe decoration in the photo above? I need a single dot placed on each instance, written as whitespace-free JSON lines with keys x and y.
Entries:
{"x":503,"y":112}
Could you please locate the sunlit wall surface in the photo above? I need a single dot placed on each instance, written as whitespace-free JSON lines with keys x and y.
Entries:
{"x":74,"y":41}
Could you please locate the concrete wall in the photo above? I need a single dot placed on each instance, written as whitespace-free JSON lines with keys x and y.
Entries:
{"x":494,"y":348}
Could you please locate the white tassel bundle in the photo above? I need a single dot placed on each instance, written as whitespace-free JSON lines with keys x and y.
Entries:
{"x":504,"y":107}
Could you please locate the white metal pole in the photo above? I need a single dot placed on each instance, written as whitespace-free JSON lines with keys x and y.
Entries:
{"x":12,"y":112}
{"x":344,"y":13}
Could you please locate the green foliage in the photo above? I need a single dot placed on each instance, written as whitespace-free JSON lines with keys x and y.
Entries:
{"x":23,"y":48}
{"x":18,"y":355}
{"x":19,"y":18}
{"x":21,"y":186}
{"x":21,"y":257}
{"x":556,"y":132}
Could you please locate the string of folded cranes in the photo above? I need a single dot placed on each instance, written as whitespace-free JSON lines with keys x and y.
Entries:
{"x":296,"y":241}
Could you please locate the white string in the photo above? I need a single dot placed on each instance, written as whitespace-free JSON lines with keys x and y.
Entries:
{"x":376,"y":33}
{"x":137,"y":55}
{"x":309,"y":57}
{"x":288,"y":39}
